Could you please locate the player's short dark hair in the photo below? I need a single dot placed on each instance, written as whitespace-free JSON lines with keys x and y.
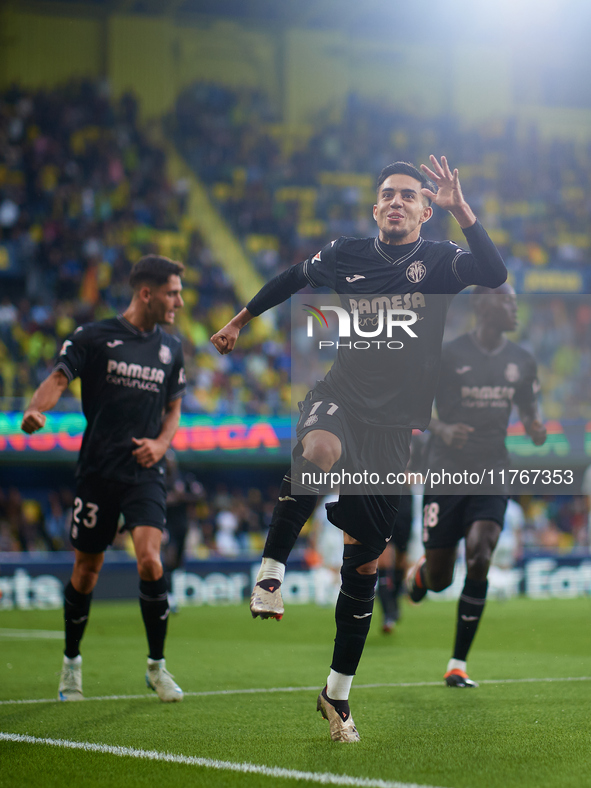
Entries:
{"x":406,"y":168}
{"x":154,"y":269}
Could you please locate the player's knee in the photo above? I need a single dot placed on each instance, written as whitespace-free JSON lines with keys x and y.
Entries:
{"x":370,"y":568}
{"x":149,"y":566}
{"x":358,"y":586}
{"x":84,"y":583}
{"x":359,"y":571}
{"x":439,"y":580}
{"x":477,"y":564}
{"x":323,"y":453}
{"x":84,"y":580}
{"x":85,"y":574}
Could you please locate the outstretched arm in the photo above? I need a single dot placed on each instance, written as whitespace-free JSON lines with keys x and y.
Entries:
{"x":279,"y":289}
{"x":45,"y":398}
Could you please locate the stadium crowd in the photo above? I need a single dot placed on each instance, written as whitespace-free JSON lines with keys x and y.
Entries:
{"x":225,"y":521}
{"x":230,"y":521}
{"x":530,"y":192}
{"x":83,"y":194}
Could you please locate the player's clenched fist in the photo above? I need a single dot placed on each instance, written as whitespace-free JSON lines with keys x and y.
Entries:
{"x":537,"y":432}
{"x":225,"y":339}
{"x":33,"y":420}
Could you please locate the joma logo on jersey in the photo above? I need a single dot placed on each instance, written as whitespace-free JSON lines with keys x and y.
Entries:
{"x":135,"y":371}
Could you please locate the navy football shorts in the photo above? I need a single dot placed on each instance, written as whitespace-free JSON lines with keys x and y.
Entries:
{"x":362,"y":511}
{"x":99,"y":504}
{"x":447,"y":518}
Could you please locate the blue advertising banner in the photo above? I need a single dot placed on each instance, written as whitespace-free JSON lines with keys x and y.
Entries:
{"x":36,"y":581}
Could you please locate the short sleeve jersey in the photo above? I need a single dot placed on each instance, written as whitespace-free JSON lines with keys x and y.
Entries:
{"x":479,"y":388}
{"x":392,"y":389}
{"x":128,"y":377}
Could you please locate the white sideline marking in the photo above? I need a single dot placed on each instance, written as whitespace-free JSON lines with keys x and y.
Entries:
{"x":49,"y":634}
{"x":315,"y":688}
{"x":323,"y":778}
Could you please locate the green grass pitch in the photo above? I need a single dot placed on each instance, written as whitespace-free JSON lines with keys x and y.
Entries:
{"x":506,"y":734}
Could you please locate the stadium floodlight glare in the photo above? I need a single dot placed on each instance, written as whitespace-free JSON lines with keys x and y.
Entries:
{"x":537,"y":14}
{"x":525,"y":18}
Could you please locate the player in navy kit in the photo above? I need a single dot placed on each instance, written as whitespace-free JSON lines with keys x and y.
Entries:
{"x":133,"y":379}
{"x":393,"y":566}
{"x":356,"y":410}
{"x":482,"y":376}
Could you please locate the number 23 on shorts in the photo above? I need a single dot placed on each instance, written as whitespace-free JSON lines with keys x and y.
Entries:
{"x":88,"y":521}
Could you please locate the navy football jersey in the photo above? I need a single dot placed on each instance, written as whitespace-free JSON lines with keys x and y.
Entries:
{"x":479,"y":388}
{"x":365,"y":265}
{"x":393,"y":388}
{"x":128,"y":378}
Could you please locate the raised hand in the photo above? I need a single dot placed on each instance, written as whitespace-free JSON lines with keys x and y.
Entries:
{"x":449,"y":192}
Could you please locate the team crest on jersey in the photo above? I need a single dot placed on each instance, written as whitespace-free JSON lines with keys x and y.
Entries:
{"x":164,"y":354}
{"x":311,"y":420}
{"x":416,"y":271}
{"x":512,"y":373}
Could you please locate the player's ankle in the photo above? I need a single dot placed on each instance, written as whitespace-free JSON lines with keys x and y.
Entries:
{"x":271,"y":570}
{"x":338,"y":685}
{"x":456,"y":664}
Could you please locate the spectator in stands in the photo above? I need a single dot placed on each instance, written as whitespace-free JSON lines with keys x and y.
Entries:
{"x":83,"y":194}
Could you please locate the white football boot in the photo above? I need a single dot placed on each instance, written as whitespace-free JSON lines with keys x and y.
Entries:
{"x":267,"y":602}
{"x":160,"y":680}
{"x":342,"y":727}
{"x":71,"y":679}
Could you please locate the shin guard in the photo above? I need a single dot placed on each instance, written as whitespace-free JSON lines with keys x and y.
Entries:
{"x":354,"y":609}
